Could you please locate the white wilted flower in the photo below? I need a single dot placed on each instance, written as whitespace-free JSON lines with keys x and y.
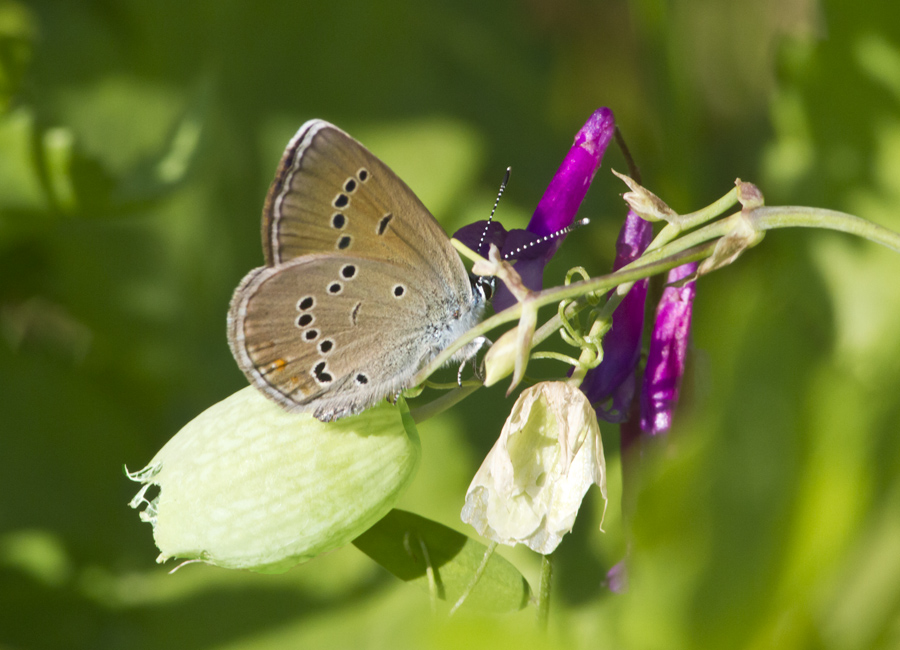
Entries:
{"x":530,"y":486}
{"x":247,"y":485}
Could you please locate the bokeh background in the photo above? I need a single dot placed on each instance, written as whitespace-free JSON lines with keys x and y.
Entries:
{"x":137,"y":141}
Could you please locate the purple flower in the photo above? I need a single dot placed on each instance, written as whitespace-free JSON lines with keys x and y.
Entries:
{"x":617,"y":578}
{"x":668,"y":351}
{"x":614,"y":377}
{"x":555,"y":211}
{"x":566,"y":191}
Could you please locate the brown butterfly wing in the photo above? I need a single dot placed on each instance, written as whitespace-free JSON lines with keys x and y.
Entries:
{"x":336,"y":215}
{"x":331,"y":335}
{"x":331,"y":195}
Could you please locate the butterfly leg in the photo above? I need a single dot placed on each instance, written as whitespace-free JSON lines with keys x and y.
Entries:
{"x":471,"y":351}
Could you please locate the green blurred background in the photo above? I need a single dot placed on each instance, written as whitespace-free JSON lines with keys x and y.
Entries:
{"x":137,"y":141}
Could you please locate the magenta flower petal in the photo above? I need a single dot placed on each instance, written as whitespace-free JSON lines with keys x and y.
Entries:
{"x":529,"y":265}
{"x":622,"y":344}
{"x":555,"y":210}
{"x":475,"y":237}
{"x":566,"y":191}
{"x":668,"y":352}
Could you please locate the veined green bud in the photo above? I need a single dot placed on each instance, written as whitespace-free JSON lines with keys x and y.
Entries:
{"x":500,"y":359}
{"x":247,"y":485}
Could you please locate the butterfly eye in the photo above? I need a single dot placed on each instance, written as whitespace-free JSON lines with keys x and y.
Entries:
{"x":484,"y":286}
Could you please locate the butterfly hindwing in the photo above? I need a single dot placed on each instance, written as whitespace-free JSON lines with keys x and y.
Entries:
{"x":316,"y":326}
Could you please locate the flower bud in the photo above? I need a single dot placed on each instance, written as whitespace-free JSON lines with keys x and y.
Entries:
{"x":732,"y":245}
{"x":247,"y":485}
{"x":668,"y":351}
{"x":749,"y":195}
{"x":645,"y":203}
{"x":500,"y":359}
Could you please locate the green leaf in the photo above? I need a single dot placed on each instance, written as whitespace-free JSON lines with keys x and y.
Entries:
{"x":406,"y":545}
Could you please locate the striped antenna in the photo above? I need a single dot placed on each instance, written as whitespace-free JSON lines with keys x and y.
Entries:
{"x":552,"y":235}
{"x":496,"y":203}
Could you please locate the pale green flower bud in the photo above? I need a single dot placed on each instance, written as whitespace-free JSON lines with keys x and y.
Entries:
{"x":749,"y":196}
{"x":729,"y":247}
{"x":247,"y":485}
{"x":530,"y":486}
{"x":511,"y":351}
{"x":645,"y":203}
{"x":500,"y":359}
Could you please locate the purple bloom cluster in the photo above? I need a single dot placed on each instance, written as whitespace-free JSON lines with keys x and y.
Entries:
{"x":610,"y":386}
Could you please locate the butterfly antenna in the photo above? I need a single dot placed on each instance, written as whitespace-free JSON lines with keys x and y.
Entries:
{"x":496,"y":203}
{"x":545,"y":238}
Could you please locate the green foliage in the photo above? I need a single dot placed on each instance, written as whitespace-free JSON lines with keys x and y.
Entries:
{"x":410,"y":547}
{"x":137,"y":140}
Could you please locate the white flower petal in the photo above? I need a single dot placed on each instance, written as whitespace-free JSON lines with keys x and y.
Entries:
{"x":530,"y":486}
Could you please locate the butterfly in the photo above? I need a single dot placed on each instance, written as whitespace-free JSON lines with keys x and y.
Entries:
{"x":361,"y":287}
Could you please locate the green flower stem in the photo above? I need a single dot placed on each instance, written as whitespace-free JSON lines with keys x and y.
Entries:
{"x":603,"y":323}
{"x":564,"y":358}
{"x":446,"y":400}
{"x":663,"y":251}
{"x":694,"y":246}
{"x":489,"y":551}
{"x":543,"y":604}
{"x":600,"y":284}
{"x":433,"y":590}
{"x":658,"y":247}
{"x":766,"y":218}
{"x":691,"y":220}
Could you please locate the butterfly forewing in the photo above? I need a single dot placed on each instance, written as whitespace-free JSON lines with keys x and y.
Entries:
{"x":331,"y":194}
